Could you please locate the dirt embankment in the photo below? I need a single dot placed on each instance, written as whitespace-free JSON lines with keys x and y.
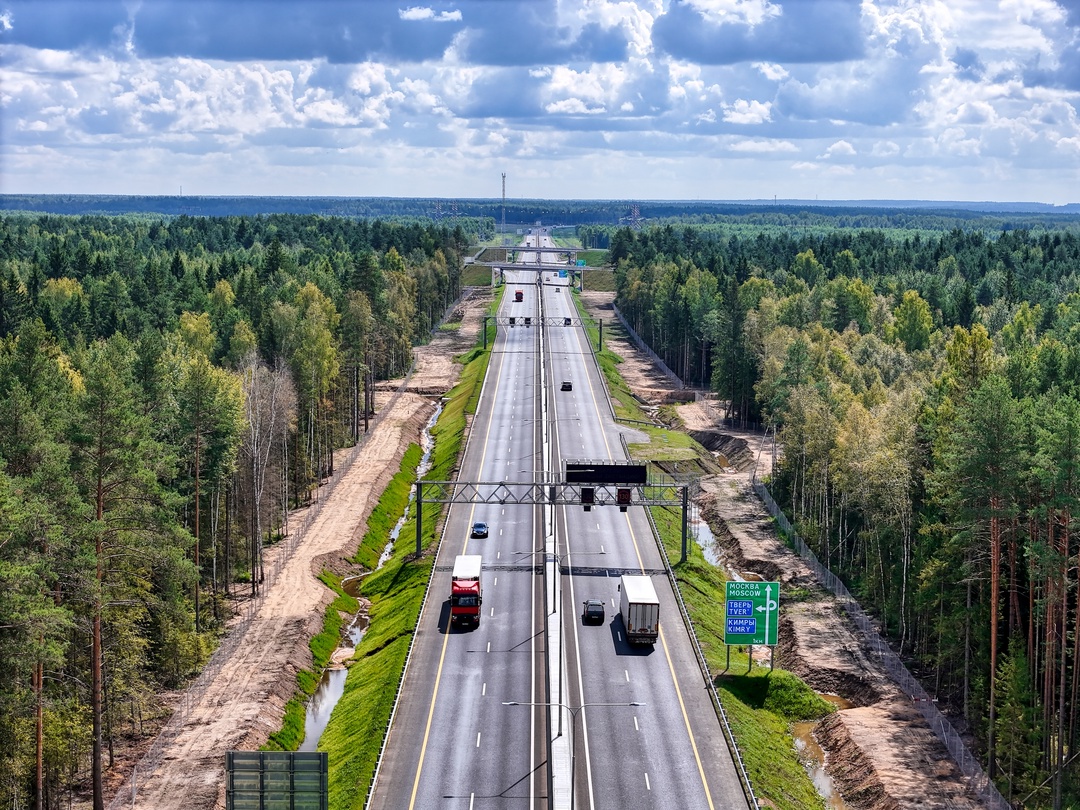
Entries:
{"x":242,"y":701}
{"x":880,"y":752}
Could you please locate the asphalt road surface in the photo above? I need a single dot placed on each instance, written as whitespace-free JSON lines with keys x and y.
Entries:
{"x":598,"y":723}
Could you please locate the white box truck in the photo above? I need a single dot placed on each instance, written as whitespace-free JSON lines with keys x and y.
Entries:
{"x":639,"y":609}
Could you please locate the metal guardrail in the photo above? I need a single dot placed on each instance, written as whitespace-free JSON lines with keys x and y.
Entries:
{"x":703,"y":664}
{"x":194,"y":693}
{"x":409,"y":653}
{"x":967,"y":763}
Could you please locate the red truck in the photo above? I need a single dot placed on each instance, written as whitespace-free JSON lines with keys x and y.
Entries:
{"x":465,"y":591}
{"x":518,"y":295}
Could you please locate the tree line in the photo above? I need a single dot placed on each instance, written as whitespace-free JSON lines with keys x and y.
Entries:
{"x":169,"y":389}
{"x":926,"y":392}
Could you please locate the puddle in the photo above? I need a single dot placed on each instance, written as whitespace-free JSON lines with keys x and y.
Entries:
{"x":332,"y":685}
{"x":813,"y":757}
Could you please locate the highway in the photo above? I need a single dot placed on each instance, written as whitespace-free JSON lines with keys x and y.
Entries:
{"x":452,"y":742}
{"x":534,"y":709}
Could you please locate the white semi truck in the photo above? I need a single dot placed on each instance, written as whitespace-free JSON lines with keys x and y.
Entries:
{"x":639,"y":609}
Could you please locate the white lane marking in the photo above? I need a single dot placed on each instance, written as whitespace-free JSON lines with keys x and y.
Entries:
{"x":496,"y":582}
{"x":492,"y":612}
{"x":626,"y":672}
{"x":483,"y":693}
{"x":489,"y":650}
{"x":636,"y":728}
{"x":602,"y":549}
{"x":478,"y":745}
{"x":647,"y":785}
{"x":498,"y":553}
{"x":472,"y":798}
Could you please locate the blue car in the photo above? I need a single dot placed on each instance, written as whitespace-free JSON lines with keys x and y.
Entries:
{"x":479,"y":529}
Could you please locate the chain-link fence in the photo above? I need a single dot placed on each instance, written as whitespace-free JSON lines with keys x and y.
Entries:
{"x":709,"y":404}
{"x":891,"y":663}
{"x":642,"y":346}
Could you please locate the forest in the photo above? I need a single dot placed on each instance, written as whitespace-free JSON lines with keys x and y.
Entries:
{"x":596,"y":220}
{"x":169,"y":389}
{"x":926,"y":392}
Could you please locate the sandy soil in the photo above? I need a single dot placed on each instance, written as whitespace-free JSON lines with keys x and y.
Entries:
{"x":880,"y":752}
{"x":243,"y":698}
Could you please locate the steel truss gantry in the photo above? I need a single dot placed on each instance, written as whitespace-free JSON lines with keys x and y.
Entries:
{"x":560,"y":493}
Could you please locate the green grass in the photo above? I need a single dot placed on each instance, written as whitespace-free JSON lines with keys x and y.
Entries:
{"x":388,"y":510}
{"x":626,"y":404}
{"x":598,"y":279}
{"x":291,"y":733}
{"x":359,"y":723}
{"x":594,"y":258}
{"x":666,"y":445}
{"x":760,"y":705}
{"x":476,"y":275}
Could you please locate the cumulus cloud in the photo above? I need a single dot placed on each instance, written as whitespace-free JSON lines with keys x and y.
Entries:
{"x":720,"y":32}
{"x":572,"y":106}
{"x":885,"y":149}
{"x":763,"y":146}
{"x":395,"y":90}
{"x":839,"y":149}
{"x":771,"y":71}
{"x":423,"y":13}
{"x":748,"y":112}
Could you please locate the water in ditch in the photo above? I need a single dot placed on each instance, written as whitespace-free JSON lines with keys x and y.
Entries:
{"x":813,"y":757}
{"x":332,"y":685}
{"x":699,"y":529}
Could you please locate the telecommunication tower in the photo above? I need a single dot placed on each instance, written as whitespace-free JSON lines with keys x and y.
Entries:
{"x":504,"y":208}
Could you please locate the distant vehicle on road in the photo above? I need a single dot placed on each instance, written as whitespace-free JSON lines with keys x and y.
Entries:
{"x":479,"y":529}
{"x":593,"y":612}
{"x":518,"y":295}
{"x":567,"y":385}
{"x":640,"y":609}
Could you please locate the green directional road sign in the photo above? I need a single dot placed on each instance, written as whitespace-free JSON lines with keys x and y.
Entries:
{"x":753,"y":613}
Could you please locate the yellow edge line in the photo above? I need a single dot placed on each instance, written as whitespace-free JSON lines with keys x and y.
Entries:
{"x":427,"y":728}
{"x":446,"y":638}
{"x":686,"y":720}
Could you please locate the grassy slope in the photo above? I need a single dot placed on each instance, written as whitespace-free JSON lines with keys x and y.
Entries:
{"x":760,"y":705}
{"x":359,"y":722}
{"x":291,"y":733}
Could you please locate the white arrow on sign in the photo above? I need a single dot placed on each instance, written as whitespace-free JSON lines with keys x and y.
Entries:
{"x":768,"y":607}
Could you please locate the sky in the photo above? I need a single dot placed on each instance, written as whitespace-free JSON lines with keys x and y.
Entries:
{"x":958,"y":100}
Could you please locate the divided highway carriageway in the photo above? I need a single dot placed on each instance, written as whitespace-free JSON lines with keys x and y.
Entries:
{"x":534,"y":708}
